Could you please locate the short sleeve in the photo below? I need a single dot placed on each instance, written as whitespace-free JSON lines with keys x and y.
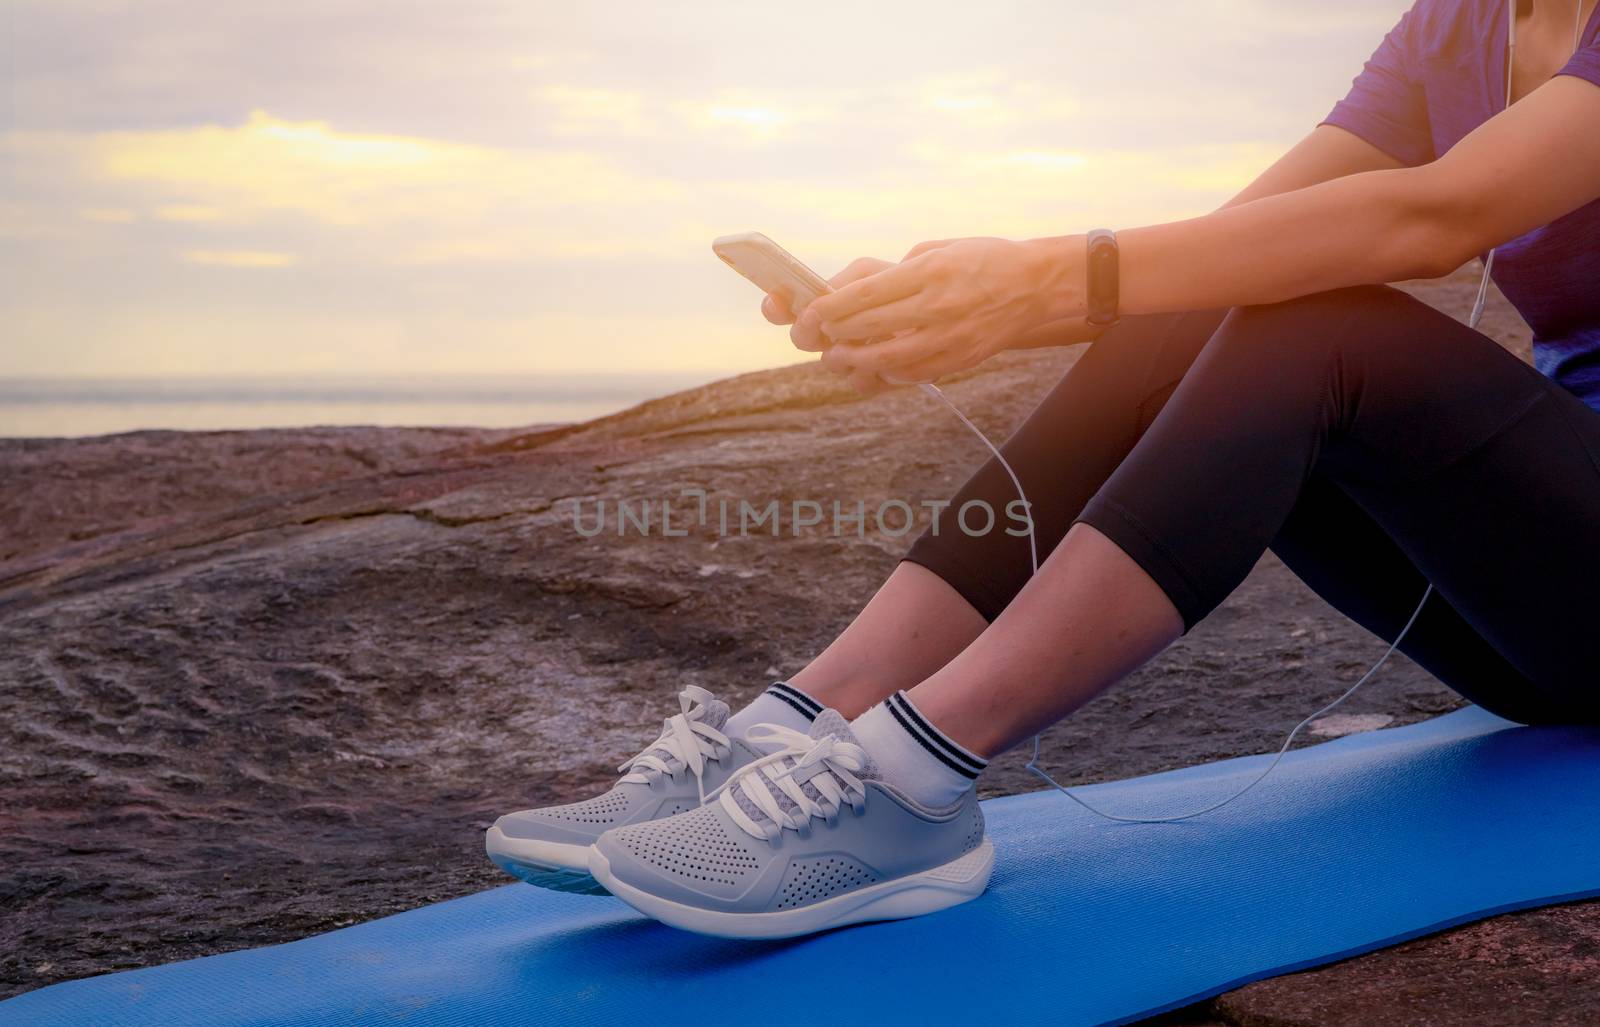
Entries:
{"x":1386,"y":105}
{"x":1585,"y":64}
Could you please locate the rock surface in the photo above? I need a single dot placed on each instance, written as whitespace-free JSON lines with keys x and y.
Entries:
{"x":255,"y":685}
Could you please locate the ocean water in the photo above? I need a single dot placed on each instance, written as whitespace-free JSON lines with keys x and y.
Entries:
{"x":97,"y":406}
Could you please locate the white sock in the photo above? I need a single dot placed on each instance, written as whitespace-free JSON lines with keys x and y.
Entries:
{"x":915,"y":756}
{"x":781,"y":704}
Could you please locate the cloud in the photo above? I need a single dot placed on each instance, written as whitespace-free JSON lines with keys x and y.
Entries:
{"x":109,"y":215}
{"x":238,"y":258}
{"x":367,"y":196}
{"x":587,"y":111}
{"x":272,"y":165}
{"x":426,"y":254}
{"x":492,"y":183}
{"x":410,"y":200}
{"x":188,"y":212}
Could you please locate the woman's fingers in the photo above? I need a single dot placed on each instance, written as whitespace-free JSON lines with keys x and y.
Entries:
{"x":861,"y":380}
{"x":806,"y":335}
{"x":858,"y":269}
{"x":775,"y":308}
{"x":894,"y":353}
{"x":867,"y":383}
{"x":878,"y":322}
{"x":931,"y":369}
{"x":895,"y":282}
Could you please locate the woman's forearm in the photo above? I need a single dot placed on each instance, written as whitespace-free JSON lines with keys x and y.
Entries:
{"x":1370,"y":228}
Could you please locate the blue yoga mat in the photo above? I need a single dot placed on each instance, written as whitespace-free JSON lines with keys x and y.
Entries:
{"x":1347,"y":847}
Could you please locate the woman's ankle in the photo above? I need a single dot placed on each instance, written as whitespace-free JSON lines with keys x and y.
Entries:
{"x":850,"y":695}
{"x":782,"y":704}
{"x":914,"y":755}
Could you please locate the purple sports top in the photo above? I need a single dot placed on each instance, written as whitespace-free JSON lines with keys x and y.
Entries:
{"x":1439,"y":74}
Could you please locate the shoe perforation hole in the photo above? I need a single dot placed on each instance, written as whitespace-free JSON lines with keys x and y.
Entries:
{"x":814,"y":880}
{"x":693,"y":846}
{"x":603,"y":809}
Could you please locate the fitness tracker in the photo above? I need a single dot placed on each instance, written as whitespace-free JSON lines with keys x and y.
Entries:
{"x":1101,"y":266}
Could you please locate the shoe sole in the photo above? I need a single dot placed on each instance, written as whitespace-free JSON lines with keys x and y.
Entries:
{"x":552,"y":865}
{"x":929,"y":891}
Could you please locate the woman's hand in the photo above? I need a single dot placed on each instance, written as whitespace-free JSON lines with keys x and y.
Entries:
{"x":949,"y":306}
{"x":778,"y":309}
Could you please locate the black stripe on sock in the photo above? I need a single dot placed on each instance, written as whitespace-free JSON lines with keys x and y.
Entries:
{"x":934,"y":735}
{"x":938,"y":754}
{"x":797,"y":695}
{"x":798,"y":708}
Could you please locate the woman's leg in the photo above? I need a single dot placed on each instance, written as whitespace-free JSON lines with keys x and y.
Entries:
{"x":1484,"y":473}
{"x":1335,"y":547}
{"x":952,"y":584}
{"x":914,"y":624}
{"x":1089,"y":618}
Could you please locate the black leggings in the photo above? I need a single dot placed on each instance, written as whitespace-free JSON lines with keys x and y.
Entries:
{"x":1372,"y":442}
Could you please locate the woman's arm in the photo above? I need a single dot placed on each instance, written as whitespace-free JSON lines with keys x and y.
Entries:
{"x":1521,"y":169}
{"x":1328,"y":152}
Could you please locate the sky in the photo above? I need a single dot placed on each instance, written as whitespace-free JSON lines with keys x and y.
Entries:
{"x":349,"y":187}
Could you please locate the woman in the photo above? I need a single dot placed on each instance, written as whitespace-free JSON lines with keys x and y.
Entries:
{"x":1263,"y":389}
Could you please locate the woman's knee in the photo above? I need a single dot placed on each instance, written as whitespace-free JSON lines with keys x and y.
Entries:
{"x":1303,"y":333}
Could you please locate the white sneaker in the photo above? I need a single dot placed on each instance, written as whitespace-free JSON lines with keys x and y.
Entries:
{"x":807,"y":839}
{"x":549,"y":847}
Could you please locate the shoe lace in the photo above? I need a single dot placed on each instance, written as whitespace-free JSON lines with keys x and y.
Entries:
{"x":827,"y":764}
{"x":686,"y":741}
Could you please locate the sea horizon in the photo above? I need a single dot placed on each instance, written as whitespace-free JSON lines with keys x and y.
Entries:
{"x":77,"y":407}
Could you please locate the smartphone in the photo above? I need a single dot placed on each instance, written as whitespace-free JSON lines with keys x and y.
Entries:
{"x":771,"y":267}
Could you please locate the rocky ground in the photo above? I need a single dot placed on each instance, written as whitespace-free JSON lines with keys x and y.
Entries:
{"x":256,"y":685}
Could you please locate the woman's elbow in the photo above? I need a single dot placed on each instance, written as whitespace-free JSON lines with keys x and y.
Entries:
{"x":1442,"y":230}
{"x":1425,"y":261}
